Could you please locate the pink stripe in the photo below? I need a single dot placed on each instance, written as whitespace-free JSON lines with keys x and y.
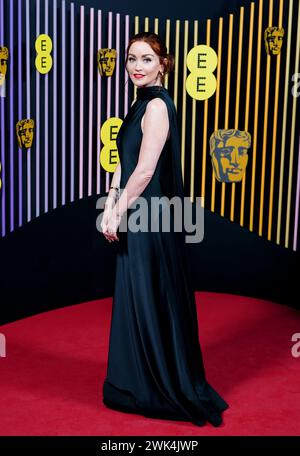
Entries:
{"x":81,"y":102}
{"x":125,"y":72}
{"x":108,"y":113}
{"x":99,"y":106}
{"x":117,"y":87}
{"x":91,"y":99}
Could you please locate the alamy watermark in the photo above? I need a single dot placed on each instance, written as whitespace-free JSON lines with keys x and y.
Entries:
{"x":296,"y":347}
{"x":296,"y":86}
{"x":2,"y":346}
{"x":162,"y":214}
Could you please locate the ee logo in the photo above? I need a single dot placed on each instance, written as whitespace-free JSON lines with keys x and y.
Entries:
{"x":109,"y":157}
{"x":201,"y":61}
{"x":43,"y":47}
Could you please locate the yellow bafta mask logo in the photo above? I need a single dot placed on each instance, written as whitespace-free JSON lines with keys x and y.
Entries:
{"x":25,"y":131}
{"x":229,"y":154}
{"x":106,"y":59}
{"x":3,"y":63}
{"x":273,"y":40}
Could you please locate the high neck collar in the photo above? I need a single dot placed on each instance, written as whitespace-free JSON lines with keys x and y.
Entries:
{"x":144,"y":93}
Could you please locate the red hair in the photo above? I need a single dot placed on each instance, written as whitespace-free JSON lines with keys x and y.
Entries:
{"x":158,"y":46}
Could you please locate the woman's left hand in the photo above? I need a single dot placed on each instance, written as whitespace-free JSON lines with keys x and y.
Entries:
{"x":111,"y":227}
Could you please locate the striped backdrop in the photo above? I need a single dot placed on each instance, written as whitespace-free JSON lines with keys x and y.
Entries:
{"x":71,"y":102}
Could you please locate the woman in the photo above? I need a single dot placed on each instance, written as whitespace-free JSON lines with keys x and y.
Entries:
{"x":155,"y":365}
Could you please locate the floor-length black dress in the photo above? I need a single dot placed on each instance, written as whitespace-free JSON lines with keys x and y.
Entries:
{"x":155,"y":366}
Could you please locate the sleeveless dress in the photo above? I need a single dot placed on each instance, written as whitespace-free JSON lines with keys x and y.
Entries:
{"x":155,"y":366}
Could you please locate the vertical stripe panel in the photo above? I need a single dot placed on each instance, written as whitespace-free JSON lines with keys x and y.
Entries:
{"x":20,"y":113}
{"x":265,"y":131}
{"x":37,"y":121}
{"x":12,"y":134}
{"x":184,"y":76}
{"x":227,"y":102}
{"x":91,"y":104}
{"x":2,"y":101}
{"x":72,"y":103}
{"x":293,"y":127}
{"x":126,"y":93}
{"x":99,"y":46}
{"x":54,"y":101}
{"x":193,"y":132}
{"x":46,"y":117}
{"x":81,"y":101}
{"x":108,"y":100}
{"x":274,"y":140}
{"x":256,"y":108}
{"x":284,"y":121}
{"x":247,"y":109}
{"x":237,"y":99}
{"x":63,"y":102}
{"x":296,"y":225}
{"x":117,"y":69}
{"x":217,"y":108}
{"x":28,"y":109}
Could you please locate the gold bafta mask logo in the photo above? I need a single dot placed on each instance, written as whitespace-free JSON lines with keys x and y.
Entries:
{"x":229,"y":154}
{"x":25,"y":131}
{"x":273,"y":40}
{"x":106,"y":59}
{"x":3,"y":63}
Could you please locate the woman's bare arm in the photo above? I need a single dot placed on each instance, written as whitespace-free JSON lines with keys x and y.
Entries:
{"x":156,"y":127}
{"x":113,"y":194}
{"x":115,"y":182}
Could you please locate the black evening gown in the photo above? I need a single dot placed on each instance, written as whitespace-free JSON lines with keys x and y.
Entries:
{"x":155,"y":366}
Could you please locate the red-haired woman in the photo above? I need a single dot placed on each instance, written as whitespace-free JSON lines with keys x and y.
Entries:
{"x":155,"y":365}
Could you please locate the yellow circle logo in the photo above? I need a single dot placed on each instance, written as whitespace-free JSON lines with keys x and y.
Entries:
{"x":109,"y":156}
{"x":43,"y":46}
{"x":201,"y":61}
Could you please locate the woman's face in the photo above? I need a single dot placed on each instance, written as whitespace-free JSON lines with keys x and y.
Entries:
{"x":143,"y":65}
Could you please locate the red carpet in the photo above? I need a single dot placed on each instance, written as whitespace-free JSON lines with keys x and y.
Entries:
{"x":51,"y":377}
